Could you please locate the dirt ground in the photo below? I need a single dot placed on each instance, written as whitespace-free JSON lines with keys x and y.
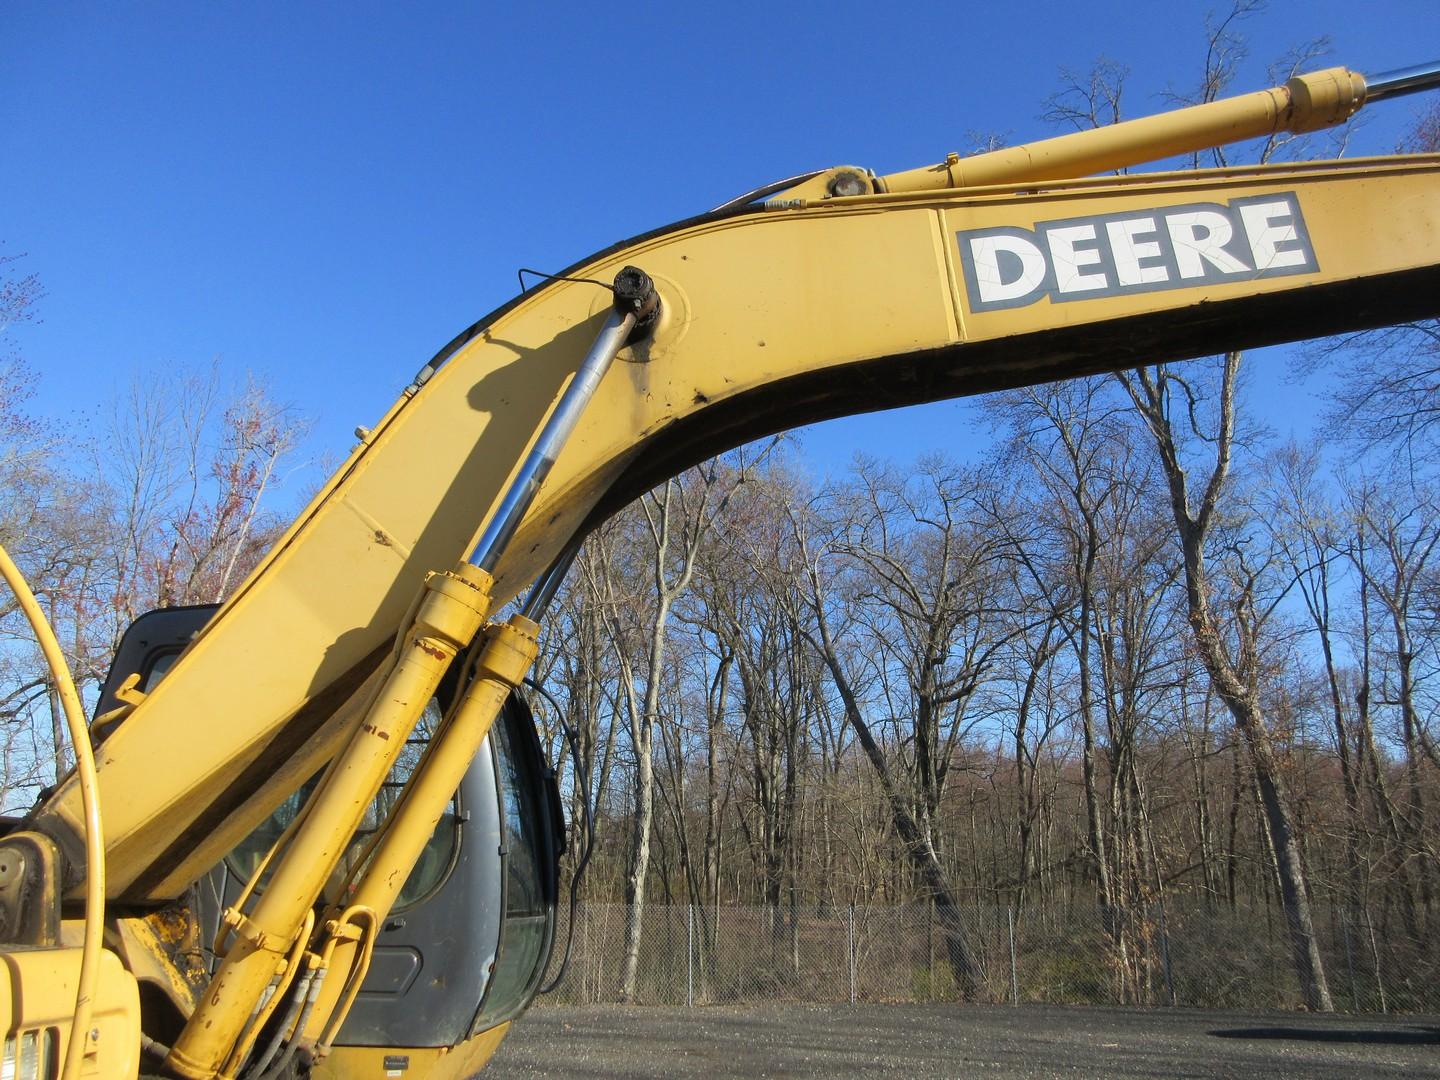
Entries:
{"x":619,"y":1043}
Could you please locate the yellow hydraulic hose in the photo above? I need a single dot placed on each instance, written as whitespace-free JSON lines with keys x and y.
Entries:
{"x":90,"y":800}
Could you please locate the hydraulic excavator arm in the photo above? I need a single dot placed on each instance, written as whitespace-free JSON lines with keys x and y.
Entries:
{"x":842,"y":293}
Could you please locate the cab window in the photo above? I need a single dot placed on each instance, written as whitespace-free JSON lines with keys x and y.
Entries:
{"x":529,"y":881}
{"x":431,"y":869}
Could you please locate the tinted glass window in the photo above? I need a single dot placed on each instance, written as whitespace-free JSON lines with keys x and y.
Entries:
{"x":521,"y":811}
{"x":525,"y":933}
{"x":520,"y":955}
{"x":158,"y":668}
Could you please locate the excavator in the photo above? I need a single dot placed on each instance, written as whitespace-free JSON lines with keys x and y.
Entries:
{"x":312,"y":832}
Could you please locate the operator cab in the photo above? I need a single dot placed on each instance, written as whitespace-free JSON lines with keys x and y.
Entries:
{"x":469,"y":938}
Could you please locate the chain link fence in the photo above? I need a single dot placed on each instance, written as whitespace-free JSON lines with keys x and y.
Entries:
{"x":1175,"y":954}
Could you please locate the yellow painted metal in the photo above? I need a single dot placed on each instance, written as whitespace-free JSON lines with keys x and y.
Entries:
{"x":287,"y":776}
{"x":353,"y":930}
{"x":280,"y":984}
{"x":30,"y":875}
{"x":162,"y":949}
{"x":451,"y":611}
{"x":37,"y":998}
{"x":770,"y":319}
{"x":1306,"y":103}
{"x":505,"y":657}
{"x":459,"y":1062}
{"x":93,"y":834}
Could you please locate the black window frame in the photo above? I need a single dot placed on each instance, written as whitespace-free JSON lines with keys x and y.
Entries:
{"x":531,"y":763}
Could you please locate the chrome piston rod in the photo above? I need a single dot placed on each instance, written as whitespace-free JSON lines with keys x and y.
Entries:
{"x":1411,"y":80}
{"x":636,"y":306}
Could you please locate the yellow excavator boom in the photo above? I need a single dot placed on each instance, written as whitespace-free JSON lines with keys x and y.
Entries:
{"x":770,"y":318}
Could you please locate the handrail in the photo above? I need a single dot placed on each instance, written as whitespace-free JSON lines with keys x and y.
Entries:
{"x":90,"y":800}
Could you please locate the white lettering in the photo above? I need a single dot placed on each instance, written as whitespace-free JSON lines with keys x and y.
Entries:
{"x":1128,"y":252}
{"x":1265,"y":238}
{"x":1202,"y":234}
{"x":985,"y":252}
{"x":1136,"y":250}
{"x":1068,"y":259}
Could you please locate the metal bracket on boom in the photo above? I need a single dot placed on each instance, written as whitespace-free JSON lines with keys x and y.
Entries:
{"x":29,"y":890}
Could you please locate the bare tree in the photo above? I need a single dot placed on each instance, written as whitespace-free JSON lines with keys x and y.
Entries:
{"x":1304,"y":527}
{"x":189,"y":465}
{"x":1402,"y":526}
{"x":1388,"y":394}
{"x":1096,"y":550}
{"x":48,"y":520}
{"x":676,"y":518}
{"x":929,"y":585}
{"x":1231,"y":648}
{"x":1063,"y":432}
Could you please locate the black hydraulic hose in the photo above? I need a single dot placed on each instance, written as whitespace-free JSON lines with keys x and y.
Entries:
{"x":750,"y":198}
{"x":299,"y":993}
{"x":312,"y":995}
{"x":582,"y":777}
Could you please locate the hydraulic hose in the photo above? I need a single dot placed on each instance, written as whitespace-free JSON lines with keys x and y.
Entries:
{"x":90,"y":802}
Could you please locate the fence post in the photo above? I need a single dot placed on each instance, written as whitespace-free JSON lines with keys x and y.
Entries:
{"x":1349,"y":958}
{"x":1165,"y":955}
{"x":850,"y":950}
{"x":589,"y":969}
{"x":1014,"y":975}
{"x":1375,"y":954}
{"x":930,"y":945}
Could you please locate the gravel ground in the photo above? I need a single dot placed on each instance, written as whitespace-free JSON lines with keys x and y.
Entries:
{"x":620,"y":1043}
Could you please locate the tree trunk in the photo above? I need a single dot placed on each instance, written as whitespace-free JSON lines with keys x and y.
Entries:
{"x":914,"y":837}
{"x":1234,"y":680}
{"x":1244,"y":706}
{"x":637,"y":869}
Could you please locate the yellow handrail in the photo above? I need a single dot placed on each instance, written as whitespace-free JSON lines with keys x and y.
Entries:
{"x":90,"y":800}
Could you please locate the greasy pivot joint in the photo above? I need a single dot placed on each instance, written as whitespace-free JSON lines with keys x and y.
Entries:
{"x":848,"y":182}
{"x":635,"y":294}
{"x":29,"y":890}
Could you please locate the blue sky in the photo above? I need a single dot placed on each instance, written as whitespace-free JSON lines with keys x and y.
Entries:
{"x":323,"y":194}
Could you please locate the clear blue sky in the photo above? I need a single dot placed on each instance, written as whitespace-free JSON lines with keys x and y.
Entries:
{"x":323,"y":194}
